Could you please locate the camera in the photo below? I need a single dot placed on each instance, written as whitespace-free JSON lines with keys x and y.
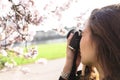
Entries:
{"x":75,"y":41}
{"x":74,"y":46}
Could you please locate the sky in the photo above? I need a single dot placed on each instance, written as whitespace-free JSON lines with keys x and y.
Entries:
{"x":68,"y":16}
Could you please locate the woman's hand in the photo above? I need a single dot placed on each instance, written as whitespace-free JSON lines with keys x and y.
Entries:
{"x":70,"y":56}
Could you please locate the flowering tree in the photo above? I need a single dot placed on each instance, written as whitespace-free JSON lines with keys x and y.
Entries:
{"x":18,"y":16}
{"x":14,"y":23}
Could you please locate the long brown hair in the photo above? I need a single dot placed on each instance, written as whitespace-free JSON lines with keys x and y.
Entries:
{"x":104,"y":25}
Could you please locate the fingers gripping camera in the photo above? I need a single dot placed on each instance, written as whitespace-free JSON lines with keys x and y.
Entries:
{"x":75,"y":41}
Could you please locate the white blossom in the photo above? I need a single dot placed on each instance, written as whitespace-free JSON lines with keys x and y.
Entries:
{"x":3,"y":52}
{"x":42,"y":61}
{"x":5,"y":7}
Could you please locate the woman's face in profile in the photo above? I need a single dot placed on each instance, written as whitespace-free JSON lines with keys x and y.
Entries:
{"x":87,"y":47}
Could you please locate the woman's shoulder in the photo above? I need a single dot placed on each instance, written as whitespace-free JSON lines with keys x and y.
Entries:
{"x":90,"y":74}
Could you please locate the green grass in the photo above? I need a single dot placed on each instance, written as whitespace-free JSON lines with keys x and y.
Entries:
{"x":49,"y":51}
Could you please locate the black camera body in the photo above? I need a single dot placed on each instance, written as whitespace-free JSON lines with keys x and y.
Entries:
{"x":75,"y":41}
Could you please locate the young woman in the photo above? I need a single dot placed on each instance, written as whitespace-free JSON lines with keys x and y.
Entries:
{"x":99,"y":45}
